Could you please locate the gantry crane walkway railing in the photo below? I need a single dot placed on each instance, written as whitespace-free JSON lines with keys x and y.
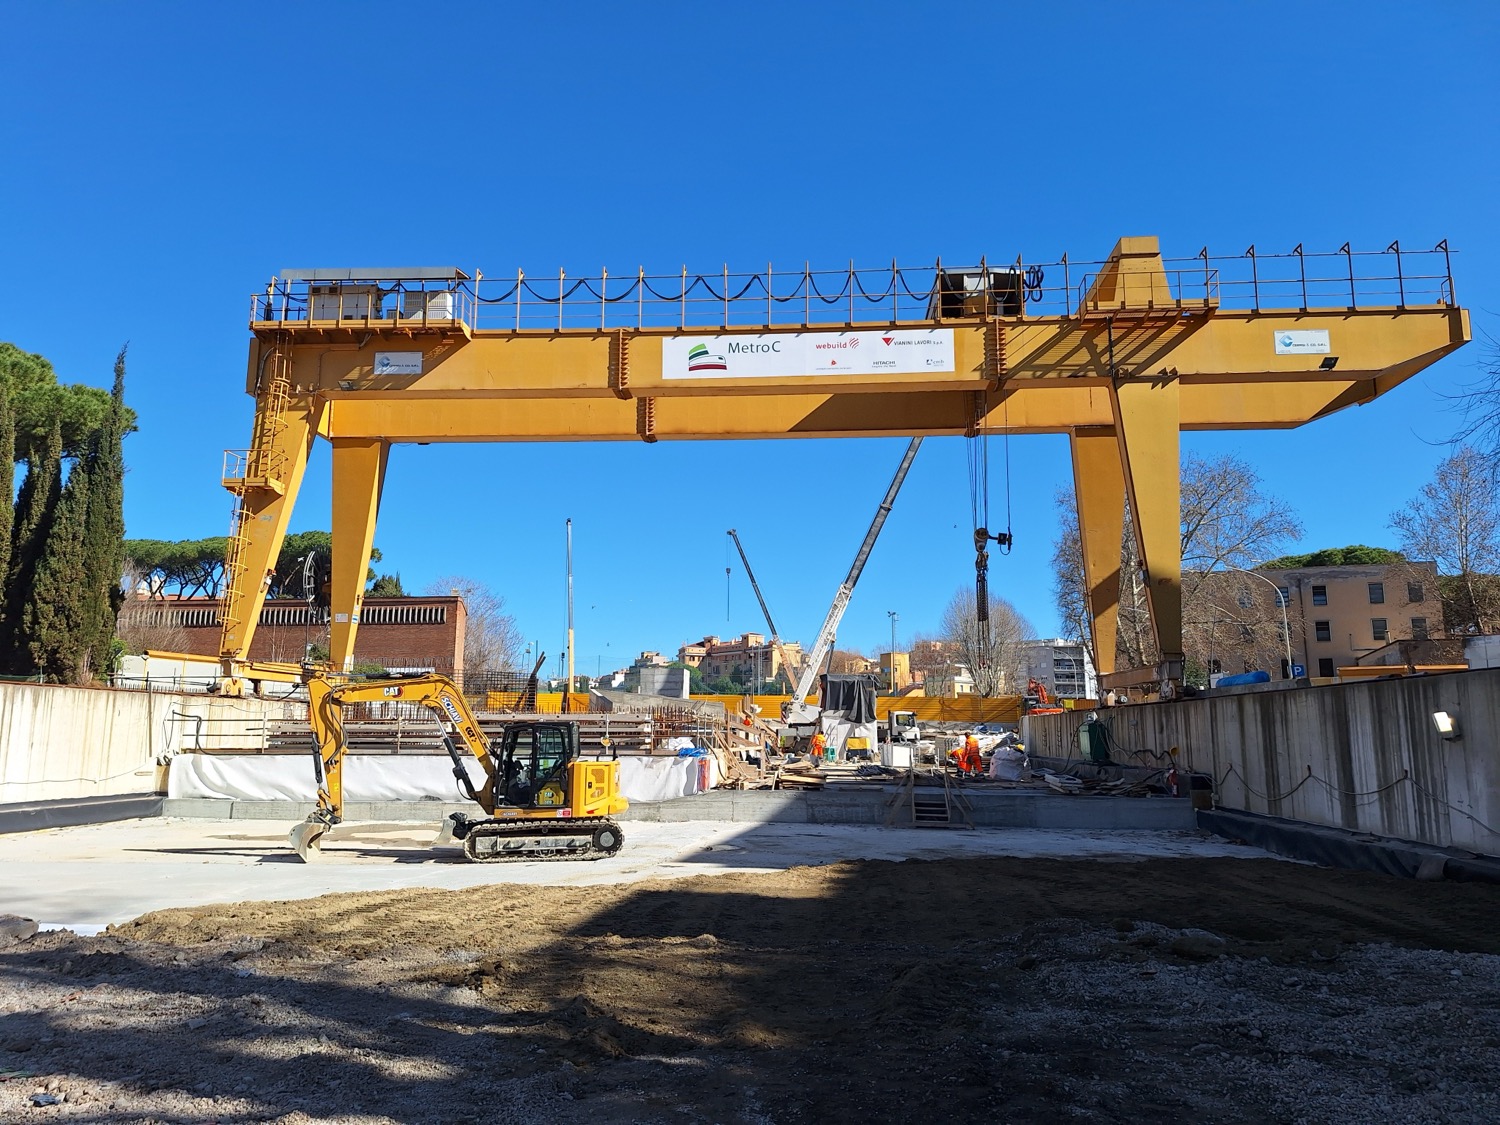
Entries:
{"x":893,"y":294}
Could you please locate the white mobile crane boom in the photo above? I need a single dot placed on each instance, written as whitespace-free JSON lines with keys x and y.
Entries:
{"x":798,"y":711}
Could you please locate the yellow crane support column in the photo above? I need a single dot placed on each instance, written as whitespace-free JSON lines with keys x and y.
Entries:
{"x":358,"y":475}
{"x":1147,"y":420}
{"x":1099,"y":486}
{"x":265,"y":478}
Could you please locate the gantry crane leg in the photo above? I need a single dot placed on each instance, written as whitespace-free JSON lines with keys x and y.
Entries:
{"x":1099,"y":486}
{"x":1147,"y":422}
{"x":267,"y":487}
{"x":358,"y":475}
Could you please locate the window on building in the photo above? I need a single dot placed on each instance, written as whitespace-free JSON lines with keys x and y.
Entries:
{"x":1320,"y":595}
{"x":1415,"y":592}
{"x":1419,"y":628}
{"x":1322,"y":631}
{"x":1283,"y":596}
{"x":1245,"y":598}
{"x":1378,"y":629}
{"x":1377,"y":593}
{"x":1325,"y":666}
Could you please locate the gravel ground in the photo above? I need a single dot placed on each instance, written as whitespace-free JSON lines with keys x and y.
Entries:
{"x":1225,"y":991}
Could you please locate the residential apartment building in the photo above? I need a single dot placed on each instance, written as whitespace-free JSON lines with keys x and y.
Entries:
{"x":749,"y":658}
{"x":1061,"y":666}
{"x":938,"y":671}
{"x":895,"y":670}
{"x":1339,"y":614}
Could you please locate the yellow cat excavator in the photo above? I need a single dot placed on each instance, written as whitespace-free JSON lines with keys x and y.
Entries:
{"x":541,"y":798}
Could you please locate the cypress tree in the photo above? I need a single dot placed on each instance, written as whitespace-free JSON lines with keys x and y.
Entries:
{"x":7,"y":487}
{"x":55,"y":616}
{"x":35,"y":508}
{"x":103,"y":546}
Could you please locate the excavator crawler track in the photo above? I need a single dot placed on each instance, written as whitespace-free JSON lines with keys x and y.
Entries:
{"x":531,"y":841}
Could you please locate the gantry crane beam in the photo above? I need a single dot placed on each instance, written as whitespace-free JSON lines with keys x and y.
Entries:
{"x":1122,"y":373}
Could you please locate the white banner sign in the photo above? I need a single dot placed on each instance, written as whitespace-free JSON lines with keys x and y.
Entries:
{"x":774,"y":355}
{"x":1309,"y":341}
{"x":398,"y":363}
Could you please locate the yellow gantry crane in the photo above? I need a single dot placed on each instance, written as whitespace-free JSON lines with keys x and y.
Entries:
{"x":1121,"y":355}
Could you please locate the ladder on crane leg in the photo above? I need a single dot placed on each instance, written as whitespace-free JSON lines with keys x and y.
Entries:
{"x":262,"y":466}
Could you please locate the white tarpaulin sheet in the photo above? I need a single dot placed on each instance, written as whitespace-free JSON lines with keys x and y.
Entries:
{"x":369,"y":777}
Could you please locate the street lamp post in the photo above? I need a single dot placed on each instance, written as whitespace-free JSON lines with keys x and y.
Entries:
{"x":1286,"y":631}
{"x":894,"y":616}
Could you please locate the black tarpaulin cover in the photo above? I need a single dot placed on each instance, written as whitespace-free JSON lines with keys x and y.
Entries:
{"x":854,"y":695}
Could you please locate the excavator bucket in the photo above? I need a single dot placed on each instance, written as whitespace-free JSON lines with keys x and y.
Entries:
{"x":307,"y":839}
{"x":445,"y":833}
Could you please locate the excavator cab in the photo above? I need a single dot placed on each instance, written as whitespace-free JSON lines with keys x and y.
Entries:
{"x":534,"y":765}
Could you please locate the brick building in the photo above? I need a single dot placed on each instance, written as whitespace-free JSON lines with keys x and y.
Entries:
{"x":400,"y":634}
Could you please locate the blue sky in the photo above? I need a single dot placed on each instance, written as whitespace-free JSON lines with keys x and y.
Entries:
{"x":162,"y":161}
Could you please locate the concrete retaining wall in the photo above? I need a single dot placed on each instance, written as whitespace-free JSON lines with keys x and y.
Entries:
{"x":68,"y":742}
{"x":1361,"y":756}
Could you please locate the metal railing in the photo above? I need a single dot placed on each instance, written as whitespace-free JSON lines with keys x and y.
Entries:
{"x":893,"y":294}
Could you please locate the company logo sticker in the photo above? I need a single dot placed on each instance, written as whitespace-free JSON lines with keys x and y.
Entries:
{"x":701,"y":359}
{"x":398,"y":363}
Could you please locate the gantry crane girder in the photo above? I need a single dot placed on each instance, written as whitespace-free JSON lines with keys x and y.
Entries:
{"x":1141,"y":356}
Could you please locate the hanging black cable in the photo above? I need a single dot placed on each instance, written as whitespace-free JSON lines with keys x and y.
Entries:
{"x":979,"y":506}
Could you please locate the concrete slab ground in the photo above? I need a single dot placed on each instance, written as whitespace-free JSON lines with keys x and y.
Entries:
{"x":89,"y":876}
{"x":865,"y":805}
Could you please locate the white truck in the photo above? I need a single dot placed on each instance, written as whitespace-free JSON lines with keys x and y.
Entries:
{"x":898,"y":739}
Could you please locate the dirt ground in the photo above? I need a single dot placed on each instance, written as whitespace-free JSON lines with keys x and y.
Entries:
{"x":1231,"y":991}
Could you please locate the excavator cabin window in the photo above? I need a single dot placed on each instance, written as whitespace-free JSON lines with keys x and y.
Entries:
{"x":534,"y":763}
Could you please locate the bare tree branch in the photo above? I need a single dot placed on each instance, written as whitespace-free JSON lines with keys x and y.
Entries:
{"x":1478,"y":405}
{"x":1000,"y":673}
{"x":1227,"y":522}
{"x":492,"y":643}
{"x":1455,"y":522}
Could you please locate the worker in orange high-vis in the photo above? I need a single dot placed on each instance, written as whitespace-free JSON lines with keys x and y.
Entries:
{"x":819,"y":746}
{"x":968,"y":758}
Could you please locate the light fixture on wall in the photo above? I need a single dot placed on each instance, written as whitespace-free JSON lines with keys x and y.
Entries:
{"x":1446,"y":724}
